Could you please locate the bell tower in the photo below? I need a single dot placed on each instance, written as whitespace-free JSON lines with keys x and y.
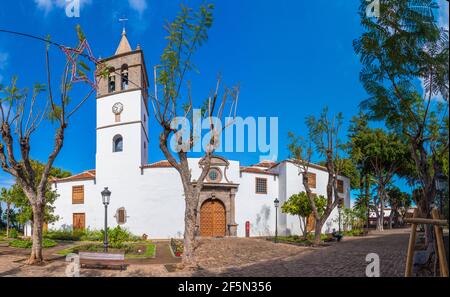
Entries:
{"x":122,"y":113}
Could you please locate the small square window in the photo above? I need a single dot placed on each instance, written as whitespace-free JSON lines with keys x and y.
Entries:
{"x":261,"y":185}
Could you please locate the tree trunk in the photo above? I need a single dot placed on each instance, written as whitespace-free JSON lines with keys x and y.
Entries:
{"x":38,"y":222}
{"x":367,"y":193}
{"x":190,"y":222}
{"x":318,"y":231}
{"x":8,"y":206}
{"x":380,"y":221}
{"x":303,"y":227}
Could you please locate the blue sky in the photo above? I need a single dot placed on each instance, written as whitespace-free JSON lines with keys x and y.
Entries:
{"x":291,"y":59}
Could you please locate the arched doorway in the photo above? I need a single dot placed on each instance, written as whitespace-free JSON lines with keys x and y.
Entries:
{"x":212,"y":219}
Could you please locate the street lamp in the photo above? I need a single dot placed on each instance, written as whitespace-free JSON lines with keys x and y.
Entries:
{"x":339,"y":210}
{"x":441,"y":187}
{"x":106,"y":195}
{"x":276,"y":202}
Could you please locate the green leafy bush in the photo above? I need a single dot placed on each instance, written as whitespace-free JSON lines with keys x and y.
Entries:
{"x":92,"y":235}
{"x":354,"y":232}
{"x":64,"y":234}
{"x":27,"y":243}
{"x":118,"y":236}
{"x":13,"y":233}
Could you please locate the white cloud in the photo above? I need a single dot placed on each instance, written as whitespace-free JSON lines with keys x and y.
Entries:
{"x":45,"y":5}
{"x":138,"y":5}
{"x":3,"y":62}
{"x":48,"y":5}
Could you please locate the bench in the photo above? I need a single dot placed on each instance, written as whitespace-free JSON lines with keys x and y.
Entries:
{"x":102,"y":259}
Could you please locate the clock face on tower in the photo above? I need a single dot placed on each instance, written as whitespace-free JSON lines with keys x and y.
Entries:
{"x":117,"y":108}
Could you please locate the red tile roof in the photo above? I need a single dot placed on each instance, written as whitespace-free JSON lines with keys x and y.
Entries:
{"x":86,"y":175}
{"x":266,"y":164}
{"x":159,"y":164}
{"x":256,"y":170}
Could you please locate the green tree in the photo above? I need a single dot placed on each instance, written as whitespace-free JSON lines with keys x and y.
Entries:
{"x":385,"y":154}
{"x":172,"y":100}
{"x":21,"y":113}
{"x":358,"y":126}
{"x":19,"y":201}
{"x":299,"y":205}
{"x":398,"y":49}
{"x":324,"y":138}
{"x":6,"y":197}
{"x":399,"y":202}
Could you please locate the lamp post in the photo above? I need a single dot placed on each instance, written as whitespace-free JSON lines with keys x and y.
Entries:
{"x":276,"y":202}
{"x":106,"y":194}
{"x":441,"y":187}
{"x":339,"y":210}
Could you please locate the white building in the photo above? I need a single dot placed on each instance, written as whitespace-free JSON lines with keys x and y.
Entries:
{"x":148,"y":198}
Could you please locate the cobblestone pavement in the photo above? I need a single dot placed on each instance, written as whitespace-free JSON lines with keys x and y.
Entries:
{"x":346,"y":258}
{"x":253,"y":257}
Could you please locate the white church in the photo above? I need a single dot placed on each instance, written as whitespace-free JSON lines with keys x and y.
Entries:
{"x":148,"y":198}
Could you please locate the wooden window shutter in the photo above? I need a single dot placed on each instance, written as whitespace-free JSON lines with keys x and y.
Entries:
{"x":79,"y":221}
{"x":340,"y":186}
{"x":77,"y":194}
{"x":312,"y":180}
{"x":121,"y":215}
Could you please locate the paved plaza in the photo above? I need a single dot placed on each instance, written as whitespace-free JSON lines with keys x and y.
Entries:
{"x":246,"y":257}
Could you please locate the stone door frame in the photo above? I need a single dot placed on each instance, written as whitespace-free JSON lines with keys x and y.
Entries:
{"x":225,"y":193}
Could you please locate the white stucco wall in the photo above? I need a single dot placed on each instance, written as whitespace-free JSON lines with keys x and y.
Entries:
{"x":153,"y":197}
{"x":154,"y":200}
{"x":294,"y":185}
{"x":258,"y":209}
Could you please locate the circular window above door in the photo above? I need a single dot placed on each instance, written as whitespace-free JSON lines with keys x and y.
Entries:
{"x":214,"y":175}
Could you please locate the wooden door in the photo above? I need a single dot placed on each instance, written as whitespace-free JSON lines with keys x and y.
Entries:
{"x":79,"y":221}
{"x":212,"y":219}
{"x":311,"y":223}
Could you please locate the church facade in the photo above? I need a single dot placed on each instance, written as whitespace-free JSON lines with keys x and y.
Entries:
{"x":148,"y":198}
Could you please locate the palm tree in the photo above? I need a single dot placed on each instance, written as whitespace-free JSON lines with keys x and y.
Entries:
{"x":6,"y":196}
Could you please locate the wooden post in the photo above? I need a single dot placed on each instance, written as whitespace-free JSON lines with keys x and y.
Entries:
{"x":411,"y":245}
{"x":440,"y":245}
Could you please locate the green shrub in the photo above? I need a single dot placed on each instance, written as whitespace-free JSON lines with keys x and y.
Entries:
{"x":19,"y":243}
{"x":27,"y":243}
{"x":13,"y":233}
{"x":92,"y":235}
{"x":118,"y":236}
{"x":354,"y":232}
{"x":63,"y":234}
{"x":311,"y":236}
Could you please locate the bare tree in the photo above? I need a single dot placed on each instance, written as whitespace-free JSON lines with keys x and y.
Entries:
{"x":324,"y":138}
{"x":185,"y":34}
{"x":20,"y":116}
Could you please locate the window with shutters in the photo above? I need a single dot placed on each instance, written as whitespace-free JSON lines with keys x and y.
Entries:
{"x":261,"y":185}
{"x":121,"y":216}
{"x":311,"y":179}
{"x":340,"y":186}
{"x":77,"y":194}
